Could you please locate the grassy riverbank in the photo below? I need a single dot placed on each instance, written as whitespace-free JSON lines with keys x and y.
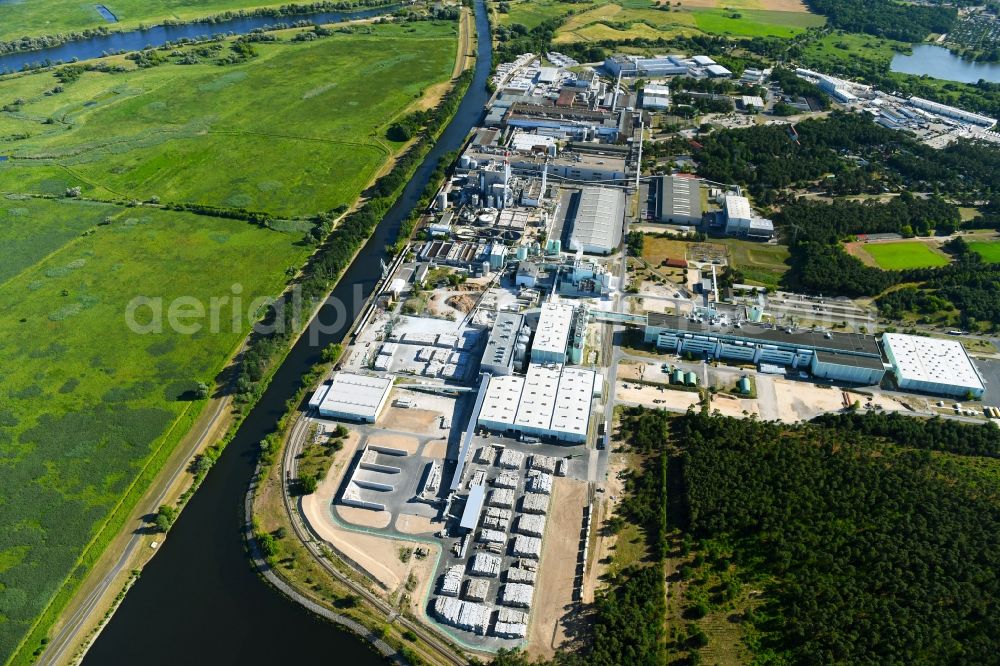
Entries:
{"x":91,"y":410}
{"x":53,"y":17}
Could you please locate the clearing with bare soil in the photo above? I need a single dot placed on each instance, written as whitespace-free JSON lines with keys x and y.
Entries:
{"x":555,"y":617}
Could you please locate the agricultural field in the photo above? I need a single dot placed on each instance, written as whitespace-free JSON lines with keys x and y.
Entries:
{"x":988,"y":250}
{"x":631,"y":19}
{"x":91,"y":406}
{"x":63,"y":16}
{"x":294,"y":131}
{"x":530,"y":13}
{"x":905,"y":255}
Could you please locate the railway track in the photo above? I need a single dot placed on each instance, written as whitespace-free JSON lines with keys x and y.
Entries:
{"x":443,"y":650}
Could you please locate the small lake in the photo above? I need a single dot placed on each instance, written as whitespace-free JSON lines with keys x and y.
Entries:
{"x":940,"y":63}
{"x":135,"y":40}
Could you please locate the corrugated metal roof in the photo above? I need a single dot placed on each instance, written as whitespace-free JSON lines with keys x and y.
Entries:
{"x":597,"y":225}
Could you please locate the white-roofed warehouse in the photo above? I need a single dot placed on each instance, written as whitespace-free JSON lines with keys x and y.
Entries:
{"x":553,"y":403}
{"x":597,"y":224}
{"x":355,"y":397}
{"x":932,"y":365}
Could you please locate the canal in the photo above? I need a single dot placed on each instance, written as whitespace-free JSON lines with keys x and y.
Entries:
{"x":199,"y":601}
{"x":158,"y":35}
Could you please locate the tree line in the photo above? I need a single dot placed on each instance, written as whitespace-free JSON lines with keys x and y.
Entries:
{"x":885,"y":18}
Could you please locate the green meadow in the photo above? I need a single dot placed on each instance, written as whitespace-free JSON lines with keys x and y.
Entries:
{"x":902,"y":256}
{"x":90,"y":409}
{"x":31,"y":229}
{"x":755,"y":22}
{"x":296,"y":130}
{"x":86,"y":403}
{"x":988,"y":250}
{"x":631,"y":19}
{"x":27,"y":18}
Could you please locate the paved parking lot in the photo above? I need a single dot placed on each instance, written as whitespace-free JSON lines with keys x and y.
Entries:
{"x":990,"y":371}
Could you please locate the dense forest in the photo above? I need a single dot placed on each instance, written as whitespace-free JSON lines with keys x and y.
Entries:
{"x":886,"y":18}
{"x":845,"y":153}
{"x":869,"y":549}
{"x":848,"y":154}
{"x":816,"y":221}
{"x":871,"y":538}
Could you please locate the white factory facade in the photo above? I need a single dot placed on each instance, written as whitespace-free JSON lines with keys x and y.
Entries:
{"x":843,"y":357}
{"x":742,"y":222}
{"x":552,"y":333}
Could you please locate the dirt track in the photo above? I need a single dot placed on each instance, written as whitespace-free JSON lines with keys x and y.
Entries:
{"x":554,"y":613}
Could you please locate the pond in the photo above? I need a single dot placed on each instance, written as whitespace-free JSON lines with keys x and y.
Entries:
{"x":940,"y":63}
{"x":106,"y":13}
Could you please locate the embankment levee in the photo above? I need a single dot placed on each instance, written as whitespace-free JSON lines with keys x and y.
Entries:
{"x":342,"y":236}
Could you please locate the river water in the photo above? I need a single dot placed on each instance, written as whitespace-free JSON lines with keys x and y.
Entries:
{"x":940,"y":63}
{"x":199,"y":601}
{"x":135,"y":40}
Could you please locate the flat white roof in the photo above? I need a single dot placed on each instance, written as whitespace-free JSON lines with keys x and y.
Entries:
{"x":553,"y":400}
{"x":503,"y":395}
{"x":931,"y":360}
{"x":525,"y":142}
{"x":552,"y":333}
{"x":538,"y":398}
{"x":548,"y":74}
{"x":571,"y":413}
{"x":737,"y":207}
{"x":317,"y":397}
{"x":356,"y":395}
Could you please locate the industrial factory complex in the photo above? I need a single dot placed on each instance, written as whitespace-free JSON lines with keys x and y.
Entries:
{"x":481,"y":379}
